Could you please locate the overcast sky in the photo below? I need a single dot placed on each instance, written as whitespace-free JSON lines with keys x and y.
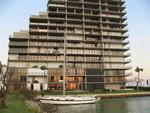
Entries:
{"x":14,"y":15}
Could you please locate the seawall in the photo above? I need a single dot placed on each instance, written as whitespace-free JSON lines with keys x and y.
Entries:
{"x":122,"y":95}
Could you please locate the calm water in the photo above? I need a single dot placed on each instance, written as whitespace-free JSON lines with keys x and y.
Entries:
{"x":125,"y":105}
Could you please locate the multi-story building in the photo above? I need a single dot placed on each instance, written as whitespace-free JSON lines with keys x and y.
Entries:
{"x":92,"y":34}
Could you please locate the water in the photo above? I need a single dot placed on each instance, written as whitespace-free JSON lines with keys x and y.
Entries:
{"x":121,"y":105}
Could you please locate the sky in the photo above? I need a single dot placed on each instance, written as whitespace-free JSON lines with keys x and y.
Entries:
{"x":14,"y":16}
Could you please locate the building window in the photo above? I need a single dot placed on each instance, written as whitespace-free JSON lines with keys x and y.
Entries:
{"x":52,"y":78}
{"x":23,"y":79}
{"x":61,"y":77}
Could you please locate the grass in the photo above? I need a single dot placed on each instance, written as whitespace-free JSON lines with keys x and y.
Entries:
{"x":16,"y":104}
{"x":88,"y":92}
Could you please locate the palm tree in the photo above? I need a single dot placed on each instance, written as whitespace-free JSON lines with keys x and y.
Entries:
{"x":138,"y":70}
{"x":43,"y":67}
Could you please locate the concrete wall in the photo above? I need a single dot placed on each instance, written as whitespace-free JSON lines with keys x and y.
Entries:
{"x":113,"y":86}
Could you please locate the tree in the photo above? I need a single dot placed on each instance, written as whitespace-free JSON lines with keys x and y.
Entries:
{"x":6,"y":77}
{"x":35,"y":66}
{"x":43,"y":67}
{"x":138,"y":70}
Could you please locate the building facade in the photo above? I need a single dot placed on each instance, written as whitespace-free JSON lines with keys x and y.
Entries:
{"x":92,"y":34}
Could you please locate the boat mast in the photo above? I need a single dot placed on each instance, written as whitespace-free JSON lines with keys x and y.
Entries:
{"x":64,"y":67}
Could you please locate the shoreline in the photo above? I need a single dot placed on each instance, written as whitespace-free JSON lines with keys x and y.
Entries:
{"x":122,"y":95}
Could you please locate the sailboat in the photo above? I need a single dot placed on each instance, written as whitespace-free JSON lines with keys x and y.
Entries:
{"x":67,"y":99}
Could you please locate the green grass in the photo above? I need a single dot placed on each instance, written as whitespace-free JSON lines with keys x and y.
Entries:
{"x":16,"y":104}
{"x":92,"y":92}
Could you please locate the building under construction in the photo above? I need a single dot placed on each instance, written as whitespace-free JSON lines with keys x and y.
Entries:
{"x":91,"y":33}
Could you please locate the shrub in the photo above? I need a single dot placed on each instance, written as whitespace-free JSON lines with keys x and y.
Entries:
{"x":30,"y":95}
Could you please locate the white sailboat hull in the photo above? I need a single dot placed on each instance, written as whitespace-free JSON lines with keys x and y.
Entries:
{"x":67,"y":100}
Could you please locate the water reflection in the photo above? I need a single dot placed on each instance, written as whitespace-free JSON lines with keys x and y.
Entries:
{"x":139,"y":105}
{"x":85,"y":108}
{"x":122,"y":105}
{"x":113,"y":106}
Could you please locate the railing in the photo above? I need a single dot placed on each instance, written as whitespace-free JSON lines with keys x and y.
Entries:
{"x":119,"y":0}
{"x":128,"y":61}
{"x":37,"y":74}
{"x":39,"y":16}
{"x":128,"y":67}
{"x":18,"y":44}
{"x":56,"y":5}
{"x":74,"y":25}
{"x":91,"y":26}
{"x":108,"y":15}
{"x":39,"y":30}
{"x":56,"y":18}
{"x":56,"y":24}
{"x":126,"y":47}
{"x":127,"y":54}
{"x":33,"y":23}
{"x":128,"y":74}
{"x":126,"y":41}
{"x":55,"y":37}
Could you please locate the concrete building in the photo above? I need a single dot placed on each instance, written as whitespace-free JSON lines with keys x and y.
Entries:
{"x":95,"y":37}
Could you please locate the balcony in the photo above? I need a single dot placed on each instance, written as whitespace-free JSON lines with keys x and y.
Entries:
{"x":74,"y":6}
{"x":127,"y":54}
{"x":121,"y":1}
{"x":56,"y":31}
{"x":112,"y":33}
{"x":92,"y":26}
{"x":57,"y":1}
{"x":56,"y":12}
{"x":74,"y":19}
{"x":57,"y":18}
{"x":115,"y":29}
{"x":38,"y":30}
{"x":55,"y":38}
{"x":41,"y":24}
{"x":74,"y":25}
{"x":110,"y":12}
{"x":128,"y":74}
{"x":128,"y":67}
{"x":18,"y":44}
{"x":74,"y":0}
{"x":38,"y":17}
{"x":75,"y":13}
{"x":127,"y":61}
{"x":56,"y":5}
{"x":112,"y":16}
{"x":56,"y":24}
{"x":127,"y":48}
{"x":117,"y":23}
{"x":17,"y":51}
{"x":118,"y":67}
{"x":76,"y":38}
{"x":37,"y":72}
{"x":112,"y":41}
{"x":126,"y":42}
{"x":109,"y":5}
{"x":92,"y":20}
